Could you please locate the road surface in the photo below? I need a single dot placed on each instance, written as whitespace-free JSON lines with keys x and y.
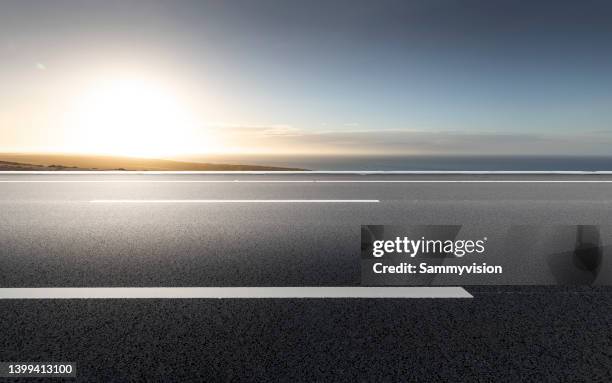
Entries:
{"x":275,"y":230}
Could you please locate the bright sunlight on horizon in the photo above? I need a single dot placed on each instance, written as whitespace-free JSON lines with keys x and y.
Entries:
{"x":135,"y":116}
{"x":144,"y":78}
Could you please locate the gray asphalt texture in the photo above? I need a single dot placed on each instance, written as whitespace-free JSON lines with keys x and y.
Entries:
{"x":51,"y":235}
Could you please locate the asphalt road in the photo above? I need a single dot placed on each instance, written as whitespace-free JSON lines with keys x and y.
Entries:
{"x":160,"y":230}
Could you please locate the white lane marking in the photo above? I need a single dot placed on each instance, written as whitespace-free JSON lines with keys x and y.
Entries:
{"x":358,"y":172}
{"x":231,"y":292}
{"x":306,"y":181}
{"x":235,"y":201}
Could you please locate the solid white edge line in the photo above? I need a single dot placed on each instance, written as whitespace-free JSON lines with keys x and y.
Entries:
{"x":359,"y":172}
{"x":235,"y":201}
{"x":305,"y":181}
{"x":231,"y":292}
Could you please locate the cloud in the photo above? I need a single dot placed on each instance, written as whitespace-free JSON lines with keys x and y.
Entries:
{"x":288,"y":139}
{"x":259,"y":130}
{"x":282,"y":130}
{"x":424,"y":142}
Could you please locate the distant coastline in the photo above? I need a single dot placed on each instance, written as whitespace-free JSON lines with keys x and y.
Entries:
{"x":65,"y":162}
{"x":244,"y":162}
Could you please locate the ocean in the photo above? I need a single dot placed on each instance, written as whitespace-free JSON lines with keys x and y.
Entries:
{"x":423,"y":163}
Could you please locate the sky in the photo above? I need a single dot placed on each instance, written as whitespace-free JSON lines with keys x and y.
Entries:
{"x":166,"y":78}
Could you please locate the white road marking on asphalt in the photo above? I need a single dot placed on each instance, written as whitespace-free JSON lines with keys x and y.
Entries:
{"x":235,"y":201}
{"x":302,"y":172}
{"x":231,"y":292}
{"x":306,"y":181}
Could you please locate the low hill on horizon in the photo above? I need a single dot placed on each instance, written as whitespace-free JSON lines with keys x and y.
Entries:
{"x":29,"y":162}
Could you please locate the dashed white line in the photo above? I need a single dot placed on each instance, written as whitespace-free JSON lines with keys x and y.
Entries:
{"x":131,"y":201}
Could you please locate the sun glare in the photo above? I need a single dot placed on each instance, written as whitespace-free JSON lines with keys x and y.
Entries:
{"x":135,"y":117}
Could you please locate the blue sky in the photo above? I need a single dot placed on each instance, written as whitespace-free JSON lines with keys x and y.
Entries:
{"x":448,"y":77}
